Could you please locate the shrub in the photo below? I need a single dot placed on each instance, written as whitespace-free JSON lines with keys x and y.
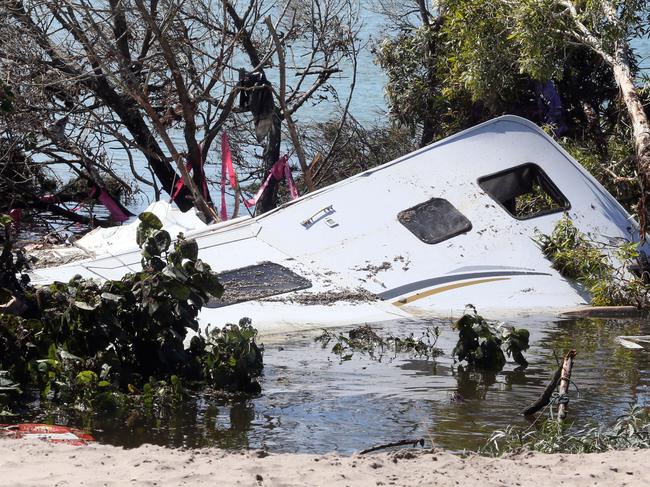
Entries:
{"x":631,"y":430}
{"x":126,"y":336}
{"x":481,"y":345}
{"x":578,"y":258}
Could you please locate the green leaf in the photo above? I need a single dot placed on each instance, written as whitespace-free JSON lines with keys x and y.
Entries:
{"x":46,"y":390}
{"x":157,"y":243}
{"x":86,"y":377}
{"x":208,"y":282}
{"x":163,"y":240}
{"x":150,"y":220}
{"x":5,"y":220}
{"x":189,"y":249}
{"x":177,"y":290}
{"x":149,"y":223}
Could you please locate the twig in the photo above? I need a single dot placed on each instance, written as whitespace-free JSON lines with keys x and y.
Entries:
{"x":393,"y":444}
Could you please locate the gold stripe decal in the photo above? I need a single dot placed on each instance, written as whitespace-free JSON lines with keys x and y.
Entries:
{"x":449,"y":287}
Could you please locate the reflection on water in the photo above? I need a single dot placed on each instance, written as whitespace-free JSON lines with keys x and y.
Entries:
{"x":313,"y":403}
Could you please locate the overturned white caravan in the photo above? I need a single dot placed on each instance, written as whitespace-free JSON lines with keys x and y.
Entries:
{"x":420,"y":236}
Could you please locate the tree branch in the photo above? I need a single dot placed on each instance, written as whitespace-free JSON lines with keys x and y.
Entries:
{"x":287,"y":115}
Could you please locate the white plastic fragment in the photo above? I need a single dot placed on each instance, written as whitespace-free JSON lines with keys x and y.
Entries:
{"x":628,"y":344}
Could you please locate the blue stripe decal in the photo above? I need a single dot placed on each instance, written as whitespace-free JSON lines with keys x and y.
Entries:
{"x":427,"y":283}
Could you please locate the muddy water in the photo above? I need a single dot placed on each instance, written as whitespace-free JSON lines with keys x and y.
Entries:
{"x":313,"y":403}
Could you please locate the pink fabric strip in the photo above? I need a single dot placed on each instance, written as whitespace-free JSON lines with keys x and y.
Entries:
{"x":113,"y":208}
{"x":226,"y":169}
{"x":188,"y":166}
{"x":279,"y":171}
{"x":229,"y":165}
{"x":254,"y":199}
{"x":180,"y":183}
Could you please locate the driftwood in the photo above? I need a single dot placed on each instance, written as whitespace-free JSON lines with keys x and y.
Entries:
{"x":565,"y":380}
{"x":417,"y":442}
{"x":545,"y":398}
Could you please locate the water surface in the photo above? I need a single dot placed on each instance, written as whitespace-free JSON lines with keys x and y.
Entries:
{"x":311,"y":402}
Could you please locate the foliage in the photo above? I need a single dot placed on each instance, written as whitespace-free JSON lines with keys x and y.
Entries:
{"x":6,"y":98}
{"x":351,"y":148}
{"x":93,"y":341}
{"x":455,"y":71}
{"x":232,"y":359}
{"x":480,"y":55}
{"x":414,"y":93}
{"x":481,"y":345}
{"x":495,"y":43}
{"x":472,"y":61}
{"x":365,"y":340}
{"x":571,"y":252}
{"x":13,"y":264}
{"x":577,"y":257}
{"x":610,"y":159}
{"x":631,"y":430}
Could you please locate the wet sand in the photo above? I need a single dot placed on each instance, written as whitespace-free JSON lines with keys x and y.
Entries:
{"x":36,"y":463}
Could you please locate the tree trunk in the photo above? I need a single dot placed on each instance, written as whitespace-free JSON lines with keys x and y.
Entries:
{"x":156,"y":159}
{"x":269,"y":198}
{"x":427,"y":133}
{"x":640,"y":129}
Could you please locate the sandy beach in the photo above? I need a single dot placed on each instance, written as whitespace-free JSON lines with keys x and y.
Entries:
{"x":36,"y":463}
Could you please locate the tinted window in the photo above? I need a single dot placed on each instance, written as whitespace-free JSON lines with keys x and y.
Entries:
{"x":524,"y":191}
{"x":256,"y":282}
{"x":434,"y":221}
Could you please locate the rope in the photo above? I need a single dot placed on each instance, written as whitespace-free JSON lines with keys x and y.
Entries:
{"x":561,"y":399}
{"x":556,"y":399}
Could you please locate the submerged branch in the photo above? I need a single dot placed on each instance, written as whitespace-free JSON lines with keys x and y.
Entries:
{"x":545,"y":398}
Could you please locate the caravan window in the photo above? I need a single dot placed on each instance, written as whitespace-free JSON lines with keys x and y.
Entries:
{"x":434,"y":221}
{"x":525,"y":191}
{"x":256,"y":282}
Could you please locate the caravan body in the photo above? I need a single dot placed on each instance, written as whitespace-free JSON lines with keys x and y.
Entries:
{"x":424,"y":235}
